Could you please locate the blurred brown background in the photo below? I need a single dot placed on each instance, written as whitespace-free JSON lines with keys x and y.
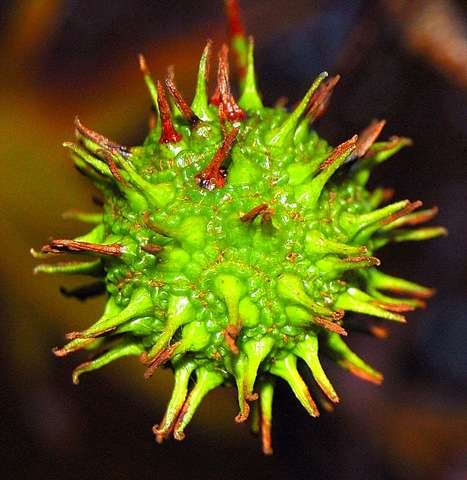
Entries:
{"x":402,"y":60}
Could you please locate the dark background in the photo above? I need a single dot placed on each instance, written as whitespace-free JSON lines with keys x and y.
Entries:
{"x":405,"y":61}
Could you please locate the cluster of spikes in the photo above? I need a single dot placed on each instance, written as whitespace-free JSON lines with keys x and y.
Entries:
{"x":236,"y":246}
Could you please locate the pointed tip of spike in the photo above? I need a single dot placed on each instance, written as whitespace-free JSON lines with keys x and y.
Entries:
{"x":348,"y":146}
{"x":168,"y":134}
{"x":228,"y":107}
{"x":320,"y":100}
{"x":143,"y":65}
{"x":282,"y":134}
{"x":368,"y":136}
{"x":212,"y":176}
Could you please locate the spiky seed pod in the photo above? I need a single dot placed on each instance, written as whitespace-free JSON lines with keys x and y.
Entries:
{"x":234,"y":242}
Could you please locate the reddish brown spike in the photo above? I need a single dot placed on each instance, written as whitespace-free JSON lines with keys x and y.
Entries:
{"x":182,"y":105}
{"x":230,"y":335}
{"x":253,"y":213}
{"x":320,"y":100}
{"x":152,"y":248}
{"x":338,"y":151}
{"x":160,"y":359}
{"x":409,"y":208}
{"x":393,"y":307}
{"x":143,"y":65}
{"x":212,"y":176}
{"x":113,"y":167}
{"x":266,"y":216}
{"x":236,"y":26}
{"x":66,"y":350}
{"x":368,"y":136}
{"x":61,"y":246}
{"x":98,"y":139}
{"x":330,"y":326}
{"x":228,"y":107}
{"x":421,"y":217}
{"x":237,"y":31}
{"x":375,"y":378}
{"x":169,"y":134}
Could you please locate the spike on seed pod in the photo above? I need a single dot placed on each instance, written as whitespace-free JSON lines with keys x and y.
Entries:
{"x":229,"y":266}
{"x":169,"y":134}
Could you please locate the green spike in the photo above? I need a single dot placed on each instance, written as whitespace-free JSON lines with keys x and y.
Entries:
{"x":283,"y":134}
{"x":104,"y":184}
{"x":255,"y":418}
{"x":343,"y":355}
{"x":124,"y":349}
{"x":206,"y":380}
{"x":299,"y":172}
{"x":246,"y":370}
{"x":357,"y":301}
{"x":250,"y":99}
{"x":382,"y":281}
{"x":310,"y":192}
{"x":256,"y":352}
{"x":290,"y":287}
{"x":85,"y":217}
{"x":149,"y":82}
{"x":93,"y":268}
{"x":158,"y":195}
{"x":418,"y":234}
{"x":230,"y":289}
{"x":140,"y":305}
{"x":200,"y":104}
{"x":75,"y":345}
{"x":195,"y":337}
{"x":95,"y":163}
{"x":317,"y":244}
{"x":266,"y":396}
{"x":286,"y":368}
{"x":182,"y":377}
{"x":179,"y":312}
{"x":415,"y":218}
{"x":353,"y":224}
{"x":333,"y":267}
{"x":410,"y":302}
{"x":308,"y":351}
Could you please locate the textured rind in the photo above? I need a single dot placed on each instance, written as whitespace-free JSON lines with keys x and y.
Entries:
{"x":235,"y":242}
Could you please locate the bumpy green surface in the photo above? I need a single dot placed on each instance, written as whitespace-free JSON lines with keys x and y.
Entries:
{"x":234,"y":278}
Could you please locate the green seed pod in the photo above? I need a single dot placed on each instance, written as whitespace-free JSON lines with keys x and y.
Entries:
{"x":233,"y":244}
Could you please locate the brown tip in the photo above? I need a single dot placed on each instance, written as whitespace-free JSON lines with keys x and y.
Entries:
{"x":330,"y":326}
{"x":376,"y":378}
{"x":253,"y":213}
{"x":266,"y":436}
{"x":368,"y":136}
{"x":143,"y":66}
{"x":98,"y":139}
{"x":213,"y":176}
{"x":169,"y":134}
{"x":393,"y":307}
{"x":152,"y":248}
{"x":401,"y":213}
{"x":234,"y":17}
{"x":320,"y":100}
{"x":182,"y":105}
{"x":163,"y":357}
{"x":230,"y":335}
{"x":228,"y":107}
{"x":338,"y":151}
{"x":71,"y":246}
